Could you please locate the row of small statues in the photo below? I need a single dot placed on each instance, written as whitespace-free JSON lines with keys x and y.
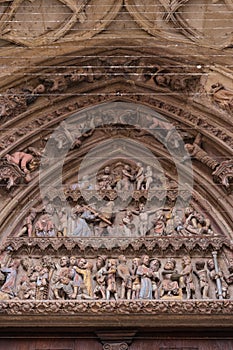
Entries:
{"x":87,"y":221}
{"x":113,"y":279}
{"x":122,"y":177}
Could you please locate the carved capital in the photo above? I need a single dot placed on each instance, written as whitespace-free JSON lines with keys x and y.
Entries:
{"x":115,"y":346}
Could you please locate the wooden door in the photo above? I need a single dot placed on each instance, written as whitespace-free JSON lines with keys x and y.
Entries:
{"x":197,"y":344}
{"x":86,"y":344}
{"x":49,"y":344}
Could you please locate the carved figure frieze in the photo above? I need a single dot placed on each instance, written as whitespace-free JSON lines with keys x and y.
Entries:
{"x":8,"y":140}
{"x":16,"y":101}
{"x":115,"y":278}
{"x":86,"y":221}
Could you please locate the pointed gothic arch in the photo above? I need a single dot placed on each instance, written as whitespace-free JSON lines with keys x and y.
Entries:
{"x":92,"y":78}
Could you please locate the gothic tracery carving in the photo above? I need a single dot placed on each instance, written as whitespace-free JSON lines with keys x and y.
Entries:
{"x":172,"y":20}
{"x":71,"y":15}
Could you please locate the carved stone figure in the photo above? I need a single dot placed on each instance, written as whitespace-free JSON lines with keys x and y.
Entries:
{"x":170,"y":282}
{"x":126,"y":181}
{"x":105,"y":180}
{"x":42,"y":281}
{"x":222,"y":96}
{"x":28,"y":224}
{"x":229,"y":277}
{"x":105,"y":218}
{"x":186,"y":278}
{"x":100,"y":278}
{"x":148,"y":177}
{"x":125,"y":274}
{"x":81,"y":217}
{"x":201,"y":273}
{"x":45,"y":226}
{"x":111,"y":270}
{"x":218,"y":278}
{"x":158,"y":223}
{"x":64,"y":288}
{"x":156,"y":277}
{"x":75,"y":277}
{"x":128,"y":224}
{"x":136,"y":286}
{"x":198,"y":153}
{"x":143,"y":222}
{"x":174,"y":223}
{"x":196,"y":223}
{"x":16,"y":101}
{"x":9,"y":286}
{"x":61,"y":270}
{"x":18,"y":166}
{"x":84,"y":268}
{"x":145,"y":273}
{"x":139,"y":177}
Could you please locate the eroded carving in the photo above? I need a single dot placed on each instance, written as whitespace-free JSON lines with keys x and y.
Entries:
{"x":15,"y":101}
{"x":222,"y":96}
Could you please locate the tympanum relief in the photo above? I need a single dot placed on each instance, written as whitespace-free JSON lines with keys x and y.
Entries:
{"x":125,"y":233}
{"x":125,"y":201}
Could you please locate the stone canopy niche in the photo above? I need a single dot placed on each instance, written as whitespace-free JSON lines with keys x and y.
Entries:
{"x":117,"y":226}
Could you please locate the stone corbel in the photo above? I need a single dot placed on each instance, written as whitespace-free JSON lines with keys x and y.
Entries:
{"x":118,"y":340}
{"x":115,"y":346}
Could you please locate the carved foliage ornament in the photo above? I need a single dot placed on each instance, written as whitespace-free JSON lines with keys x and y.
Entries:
{"x":78,"y":17}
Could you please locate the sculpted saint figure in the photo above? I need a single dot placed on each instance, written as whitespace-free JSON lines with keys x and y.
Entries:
{"x":100,"y":278}
{"x":111,"y":279}
{"x":202,"y":275}
{"x":145,"y":273}
{"x":170,"y":285}
{"x":10,"y":272}
{"x":125,"y":274}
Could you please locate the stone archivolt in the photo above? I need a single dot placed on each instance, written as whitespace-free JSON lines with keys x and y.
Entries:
{"x":47,"y":269}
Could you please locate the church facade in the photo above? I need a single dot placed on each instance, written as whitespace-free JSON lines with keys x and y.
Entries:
{"x":116,"y":175}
